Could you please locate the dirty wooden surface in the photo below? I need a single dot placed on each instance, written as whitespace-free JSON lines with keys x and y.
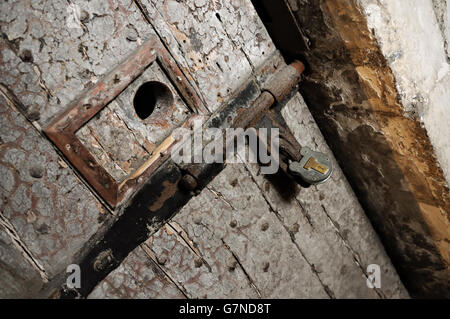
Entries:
{"x":241,"y":238}
{"x":43,"y":202}
{"x":218,"y":42}
{"x":140,"y":277}
{"x":238,"y":238}
{"x":18,"y":276}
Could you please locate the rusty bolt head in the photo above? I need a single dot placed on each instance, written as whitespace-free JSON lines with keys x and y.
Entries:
{"x":33,"y":113}
{"x":188,"y":182}
{"x":103,"y":260}
{"x":299,"y":66}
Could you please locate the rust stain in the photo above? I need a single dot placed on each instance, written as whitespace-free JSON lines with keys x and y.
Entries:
{"x":169,"y":189}
{"x":98,"y":88}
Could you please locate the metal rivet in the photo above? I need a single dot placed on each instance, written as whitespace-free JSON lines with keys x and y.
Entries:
{"x":188,"y":182}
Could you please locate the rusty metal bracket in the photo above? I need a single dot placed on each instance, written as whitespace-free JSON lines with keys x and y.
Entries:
{"x":62,"y":130}
{"x":275,"y":90}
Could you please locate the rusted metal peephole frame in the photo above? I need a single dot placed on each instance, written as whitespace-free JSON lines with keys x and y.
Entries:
{"x":62,"y":130}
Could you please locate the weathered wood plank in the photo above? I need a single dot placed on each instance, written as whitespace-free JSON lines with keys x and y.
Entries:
{"x":219,"y":246}
{"x":137,"y":277}
{"x":198,"y":270}
{"x":18,"y":278}
{"x":49,"y":58}
{"x":340,"y":205}
{"x":326,"y":221}
{"x":217,"y":42}
{"x":203,"y":268}
{"x":233,"y":212}
{"x":53,"y":213}
{"x":317,"y":243}
{"x":245,"y":28}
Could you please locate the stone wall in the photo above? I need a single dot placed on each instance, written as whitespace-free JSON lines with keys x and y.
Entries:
{"x":414,"y":37}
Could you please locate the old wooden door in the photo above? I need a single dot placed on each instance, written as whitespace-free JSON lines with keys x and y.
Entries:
{"x":86,"y":178}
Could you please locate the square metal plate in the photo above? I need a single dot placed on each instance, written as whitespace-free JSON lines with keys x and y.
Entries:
{"x":65,"y":129}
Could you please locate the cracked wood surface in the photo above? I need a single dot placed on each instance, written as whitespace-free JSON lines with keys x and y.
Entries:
{"x":138,"y":277}
{"x":237,"y":238}
{"x":50,"y":212}
{"x":243,"y":237}
{"x":47,"y":61}
{"x":218,"y":42}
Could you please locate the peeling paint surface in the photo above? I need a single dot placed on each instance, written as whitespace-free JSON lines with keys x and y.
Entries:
{"x":218,"y":42}
{"x":65,"y":59}
{"x":50,"y":209}
{"x":241,"y":237}
{"x":416,"y":35}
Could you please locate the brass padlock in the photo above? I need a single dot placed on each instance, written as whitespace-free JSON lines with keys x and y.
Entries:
{"x":314,"y":167}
